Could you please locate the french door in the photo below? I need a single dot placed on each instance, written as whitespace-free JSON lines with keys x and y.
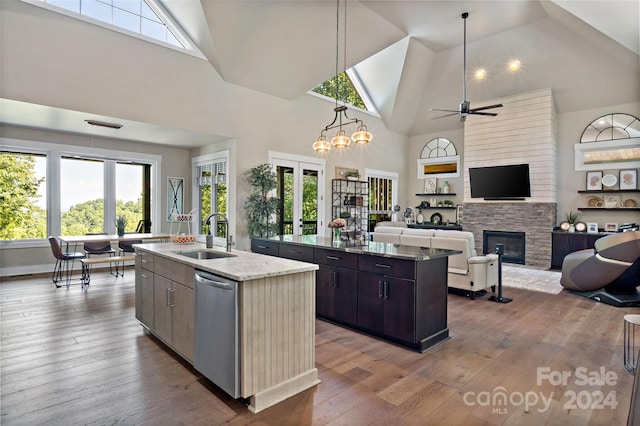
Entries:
{"x":301,"y":193}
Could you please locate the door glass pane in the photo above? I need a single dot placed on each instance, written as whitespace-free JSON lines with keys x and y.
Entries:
{"x":285,"y":194}
{"x":309,"y":202}
{"x":129,"y":184}
{"x":81,"y":196}
{"x":23,"y":214}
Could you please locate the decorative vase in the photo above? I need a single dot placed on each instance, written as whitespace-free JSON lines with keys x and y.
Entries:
{"x":445,"y":187}
{"x":336,"y":235}
{"x":120,"y":232}
{"x":572,"y":228}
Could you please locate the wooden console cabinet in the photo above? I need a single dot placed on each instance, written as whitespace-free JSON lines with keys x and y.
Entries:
{"x":563,"y":243}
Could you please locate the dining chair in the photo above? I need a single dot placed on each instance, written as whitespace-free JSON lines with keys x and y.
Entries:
{"x":99,"y":248}
{"x":62,"y":262}
{"x":127,"y":247}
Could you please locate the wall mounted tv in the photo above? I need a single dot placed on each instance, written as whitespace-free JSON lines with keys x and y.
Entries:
{"x":500,"y":182}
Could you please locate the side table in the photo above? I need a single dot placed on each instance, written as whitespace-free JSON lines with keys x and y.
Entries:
{"x":631,"y":322}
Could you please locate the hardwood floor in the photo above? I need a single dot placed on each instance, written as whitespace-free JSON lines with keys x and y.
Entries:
{"x":75,"y":358}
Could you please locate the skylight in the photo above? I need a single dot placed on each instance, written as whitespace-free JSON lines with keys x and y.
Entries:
{"x":144,"y":17}
{"x":352,"y":91}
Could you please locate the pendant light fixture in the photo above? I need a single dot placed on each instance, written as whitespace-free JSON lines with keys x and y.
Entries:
{"x":341,"y":140}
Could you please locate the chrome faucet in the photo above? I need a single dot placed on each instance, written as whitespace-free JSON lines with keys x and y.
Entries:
{"x":207,"y":221}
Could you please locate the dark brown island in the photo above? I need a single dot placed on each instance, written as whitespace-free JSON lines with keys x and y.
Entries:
{"x":397,"y":293}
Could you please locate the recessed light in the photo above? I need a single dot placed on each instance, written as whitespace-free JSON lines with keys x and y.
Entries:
{"x":514,"y":65}
{"x":480,"y":74}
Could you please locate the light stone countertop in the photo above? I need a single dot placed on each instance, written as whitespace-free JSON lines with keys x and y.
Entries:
{"x":243,"y":266}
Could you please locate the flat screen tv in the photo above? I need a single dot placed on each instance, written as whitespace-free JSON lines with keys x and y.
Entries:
{"x":500,"y":182}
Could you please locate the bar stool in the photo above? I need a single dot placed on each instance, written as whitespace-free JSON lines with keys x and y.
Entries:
{"x":631,"y":322}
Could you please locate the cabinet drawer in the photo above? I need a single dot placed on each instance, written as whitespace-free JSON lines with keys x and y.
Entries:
{"x":145,"y":260}
{"x":335,"y":258}
{"x":175,"y":271}
{"x":391,"y":267}
{"x":264,"y":247}
{"x":295,"y":252}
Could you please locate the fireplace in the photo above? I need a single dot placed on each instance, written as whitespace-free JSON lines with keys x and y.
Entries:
{"x":514,"y":245}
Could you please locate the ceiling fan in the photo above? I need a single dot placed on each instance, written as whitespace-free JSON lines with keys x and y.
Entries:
{"x":465,"y":108}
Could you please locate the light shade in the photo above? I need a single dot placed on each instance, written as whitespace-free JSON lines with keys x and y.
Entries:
{"x":321,"y":145}
{"x":361,"y":135}
{"x":340,"y":140}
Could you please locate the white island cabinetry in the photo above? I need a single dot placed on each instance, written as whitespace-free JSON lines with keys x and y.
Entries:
{"x":276,"y":304}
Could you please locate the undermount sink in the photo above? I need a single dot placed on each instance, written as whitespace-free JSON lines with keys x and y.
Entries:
{"x":205,"y":254}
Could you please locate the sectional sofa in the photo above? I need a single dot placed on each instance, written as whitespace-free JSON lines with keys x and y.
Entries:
{"x":469,"y":272}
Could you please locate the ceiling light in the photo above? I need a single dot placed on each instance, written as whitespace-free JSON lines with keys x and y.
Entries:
{"x":104,"y":124}
{"x":514,"y":66}
{"x":481,"y":74}
{"x":340,"y":140}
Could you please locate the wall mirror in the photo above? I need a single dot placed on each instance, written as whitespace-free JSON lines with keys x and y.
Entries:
{"x":609,"y":142}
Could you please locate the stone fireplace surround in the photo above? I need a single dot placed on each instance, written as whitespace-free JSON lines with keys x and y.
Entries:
{"x":536,"y":220}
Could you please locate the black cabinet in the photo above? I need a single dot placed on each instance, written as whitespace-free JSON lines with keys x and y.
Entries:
{"x":337,"y":294}
{"x":386,"y":306}
{"x":265,"y":246}
{"x":563,"y":243}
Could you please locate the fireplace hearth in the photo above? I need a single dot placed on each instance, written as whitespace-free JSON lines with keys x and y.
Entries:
{"x":514,"y":245}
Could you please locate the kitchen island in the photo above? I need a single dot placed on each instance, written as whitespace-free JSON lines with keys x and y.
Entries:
{"x":276,"y":314}
{"x":394,"y":292}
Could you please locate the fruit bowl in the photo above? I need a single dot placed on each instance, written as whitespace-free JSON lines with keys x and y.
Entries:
{"x":183,"y":239}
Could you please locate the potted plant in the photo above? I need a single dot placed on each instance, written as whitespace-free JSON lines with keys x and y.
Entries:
{"x":121,"y":224}
{"x":572,"y":218}
{"x":352,"y":174}
{"x":261,"y":208}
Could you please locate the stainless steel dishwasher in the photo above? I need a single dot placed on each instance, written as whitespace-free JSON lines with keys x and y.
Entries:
{"x":216,"y":346}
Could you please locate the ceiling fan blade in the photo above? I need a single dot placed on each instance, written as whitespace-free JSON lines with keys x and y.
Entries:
{"x":491,"y":114}
{"x":443,"y":110}
{"x":447,"y":115}
{"x":485,"y":107}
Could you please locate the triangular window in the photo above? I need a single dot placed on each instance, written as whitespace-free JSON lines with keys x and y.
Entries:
{"x":144,"y":17}
{"x":350,"y":90}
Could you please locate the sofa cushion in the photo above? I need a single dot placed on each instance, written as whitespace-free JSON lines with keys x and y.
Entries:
{"x":468,"y":236}
{"x":387,"y":234}
{"x":458,"y":263}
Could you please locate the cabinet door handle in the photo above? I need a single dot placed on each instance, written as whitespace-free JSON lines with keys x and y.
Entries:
{"x":295,"y":251}
{"x":263,"y":247}
{"x":333,"y":258}
{"x":169,"y":298}
{"x":146,"y":276}
{"x":145,"y":261}
{"x":386,"y":290}
{"x":380,"y":290}
{"x":382,"y":265}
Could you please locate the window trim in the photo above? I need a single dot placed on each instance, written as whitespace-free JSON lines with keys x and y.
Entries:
{"x":54,"y":153}
{"x":190,"y":48}
{"x":201,"y":160}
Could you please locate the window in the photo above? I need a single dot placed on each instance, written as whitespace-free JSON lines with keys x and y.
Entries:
{"x":383,"y":195}
{"x":146,"y":18}
{"x":351,"y":92}
{"x":23,"y":195}
{"x":63,"y":190}
{"x":211,"y":191}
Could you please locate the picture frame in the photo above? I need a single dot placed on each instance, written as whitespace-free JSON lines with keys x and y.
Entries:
{"x":175,"y":197}
{"x":610,"y":227}
{"x":628,"y":179}
{"x":594,"y":181}
{"x":612,"y":201}
{"x":430,"y":185}
{"x":592,"y":228}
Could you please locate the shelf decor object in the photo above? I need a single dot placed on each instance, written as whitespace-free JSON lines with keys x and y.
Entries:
{"x":628,"y":179}
{"x":594,"y":181}
{"x":175,"y":190}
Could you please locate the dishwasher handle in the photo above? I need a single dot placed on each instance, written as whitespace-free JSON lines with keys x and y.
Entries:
{"x":213,"y":283}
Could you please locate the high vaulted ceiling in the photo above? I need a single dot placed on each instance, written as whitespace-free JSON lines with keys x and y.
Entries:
{"x":409,"y":54}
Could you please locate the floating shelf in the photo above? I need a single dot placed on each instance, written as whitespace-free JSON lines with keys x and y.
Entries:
{"x":608,"y":191}
{"x":436,"y":208}
{"x":621,"y":209}
{"x":448,"y":193}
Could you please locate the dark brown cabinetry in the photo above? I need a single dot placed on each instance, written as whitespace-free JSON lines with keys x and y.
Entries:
{"x":563,"y":243}
{"x":386,"y":306}
{"x":403,"y":300}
